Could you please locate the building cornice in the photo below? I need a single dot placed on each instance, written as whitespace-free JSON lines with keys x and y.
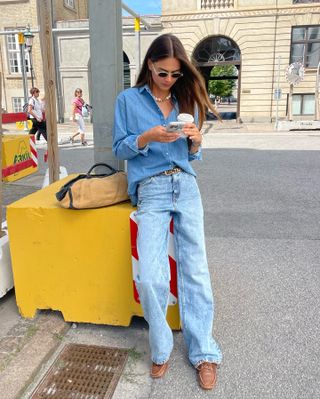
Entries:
{"x":243,"y":13}
{"x":3,"y":2}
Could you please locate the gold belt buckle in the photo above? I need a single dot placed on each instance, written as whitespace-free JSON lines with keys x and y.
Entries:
{"x":171,"y":171}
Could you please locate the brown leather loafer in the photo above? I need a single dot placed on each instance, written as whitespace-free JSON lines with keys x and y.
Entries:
{"x":207,"y":375}
{"x":159,"y":370}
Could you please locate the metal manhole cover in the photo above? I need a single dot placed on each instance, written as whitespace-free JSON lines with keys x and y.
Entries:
{"x":83,"y":372}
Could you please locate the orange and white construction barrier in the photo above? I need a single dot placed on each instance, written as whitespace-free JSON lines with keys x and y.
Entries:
{"x":173,"y":298}
{"x":33,"y":150}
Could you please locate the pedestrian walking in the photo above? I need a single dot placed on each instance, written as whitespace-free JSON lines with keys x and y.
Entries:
{"x":43,"y":109}
{"x":162,"y":183}
{"x":35,"y":111}
{"x":77,"y":117}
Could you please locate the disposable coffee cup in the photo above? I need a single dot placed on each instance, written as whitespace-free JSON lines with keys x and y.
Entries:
{"x":184,"y":118}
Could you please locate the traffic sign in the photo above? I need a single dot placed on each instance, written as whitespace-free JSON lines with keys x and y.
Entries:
{"x":277,"y":94}
{"x":295,"y":73}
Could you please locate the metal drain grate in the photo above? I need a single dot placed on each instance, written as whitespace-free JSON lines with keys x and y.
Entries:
{"x":83,"y":372}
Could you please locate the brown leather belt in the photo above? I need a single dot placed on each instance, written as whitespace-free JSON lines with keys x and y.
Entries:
{"x":171,"y":171}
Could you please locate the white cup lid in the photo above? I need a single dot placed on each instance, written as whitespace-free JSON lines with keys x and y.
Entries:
{"x":185,"y":118}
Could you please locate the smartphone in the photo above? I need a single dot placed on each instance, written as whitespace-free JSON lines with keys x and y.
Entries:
{"x":175,"y":127}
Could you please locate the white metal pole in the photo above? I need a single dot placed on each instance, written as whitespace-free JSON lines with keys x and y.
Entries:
{"x":316,"y":94}
{"x":131,"y":12}
{"x":290,"y":103}
{"x":138,"y":44}
{"x":23,"y":71}
{"x":1,"y":232}
{"x":278,"y":93}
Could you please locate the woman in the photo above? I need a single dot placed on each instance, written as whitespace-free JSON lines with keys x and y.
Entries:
{"x":77,"y":117}
{"x":43,"y":110}
{"x":162,"y":183}
{"x":35,"y":113}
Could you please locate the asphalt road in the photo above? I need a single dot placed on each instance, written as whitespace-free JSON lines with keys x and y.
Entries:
{"x":261,"y":196}
{"x":263,"y":235}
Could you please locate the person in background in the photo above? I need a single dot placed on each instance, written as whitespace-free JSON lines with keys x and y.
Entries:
{"x":77,"y":104}
{"x":162,"y":183}
{"x":43,"y":109}
{"x":35,"y":113}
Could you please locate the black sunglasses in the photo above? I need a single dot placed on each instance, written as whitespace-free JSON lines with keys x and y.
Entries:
{"x":163,"y":74}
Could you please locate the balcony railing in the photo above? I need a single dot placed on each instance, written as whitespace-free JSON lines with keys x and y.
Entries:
{"x":216,"y":4}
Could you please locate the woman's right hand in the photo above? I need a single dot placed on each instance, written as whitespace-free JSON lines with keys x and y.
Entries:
{"x":159,"y":134}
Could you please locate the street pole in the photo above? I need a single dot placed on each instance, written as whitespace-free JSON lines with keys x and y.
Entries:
{"x":1,"y":232}
{"x":138,"y":44}
{"x":137,"y":27}
{"x":106,"y":55}
{"x":278,"y":93}
{"x":45,"y":22}
{"x":31,"y":66}
{"x":23,"y":71}
{"x":290,"y":103}
{"x":316,"y":95}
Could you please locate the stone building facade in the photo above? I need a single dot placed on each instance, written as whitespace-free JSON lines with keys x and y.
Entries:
{"x":260,"y":38}
{"x":255,"y":36}
{"x":17,"y":15}
{"x":73,"y":57}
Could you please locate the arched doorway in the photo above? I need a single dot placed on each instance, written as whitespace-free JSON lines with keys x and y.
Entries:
{"x":219,"y":60}
{"x":126,"y":71}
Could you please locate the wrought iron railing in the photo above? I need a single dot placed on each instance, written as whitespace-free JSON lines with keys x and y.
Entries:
{"x":216,"y":4}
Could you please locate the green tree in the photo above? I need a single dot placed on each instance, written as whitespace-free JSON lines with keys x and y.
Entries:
{"x":223,"y":87}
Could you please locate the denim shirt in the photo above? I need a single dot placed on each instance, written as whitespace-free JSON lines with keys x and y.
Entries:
{"x":136,"y":111}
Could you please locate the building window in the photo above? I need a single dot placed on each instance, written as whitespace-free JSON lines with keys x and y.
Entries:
{"x":305,"y":45}
{"x":303,"y":104}
{"x":14,"y":56}
{"x":305,"y":1}
{"x":17,"y":104}
{"x":69,"y":3}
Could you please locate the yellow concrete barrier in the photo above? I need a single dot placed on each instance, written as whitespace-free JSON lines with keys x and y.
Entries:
{"x":19,"y":156}
{"x":77,"y":262}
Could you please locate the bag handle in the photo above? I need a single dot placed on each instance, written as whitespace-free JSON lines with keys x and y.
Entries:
{"x":102,"y":164}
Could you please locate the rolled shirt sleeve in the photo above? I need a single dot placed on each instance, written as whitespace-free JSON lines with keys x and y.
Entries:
{"x":195,"y":156}
{"x":125,"y":146}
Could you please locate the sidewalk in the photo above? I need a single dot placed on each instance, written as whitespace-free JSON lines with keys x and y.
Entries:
{"x":29,"y":347}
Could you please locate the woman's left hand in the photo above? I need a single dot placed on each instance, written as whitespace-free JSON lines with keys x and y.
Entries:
{"x":191,"y":130}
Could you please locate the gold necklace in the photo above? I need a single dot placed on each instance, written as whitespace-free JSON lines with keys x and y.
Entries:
{"x":161,"y":100}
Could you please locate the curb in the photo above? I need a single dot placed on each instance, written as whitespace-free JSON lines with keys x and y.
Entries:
{"x":33,"y":342}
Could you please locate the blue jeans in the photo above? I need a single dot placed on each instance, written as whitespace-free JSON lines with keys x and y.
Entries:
{"x":159,"y":198}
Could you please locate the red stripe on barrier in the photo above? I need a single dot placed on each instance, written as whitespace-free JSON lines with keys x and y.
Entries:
{"x":10,"y":170}
{"x":133,"y":234}
{"x":135,"y":293}
{"x":171,"y":226}
{"x":14,"y":117}
{"x":174,"y":280}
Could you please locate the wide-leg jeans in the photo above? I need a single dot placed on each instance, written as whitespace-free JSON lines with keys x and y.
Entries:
{"x":159,"y":198}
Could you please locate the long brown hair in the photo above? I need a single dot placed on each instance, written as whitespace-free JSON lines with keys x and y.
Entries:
{"x":190,"y":88}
